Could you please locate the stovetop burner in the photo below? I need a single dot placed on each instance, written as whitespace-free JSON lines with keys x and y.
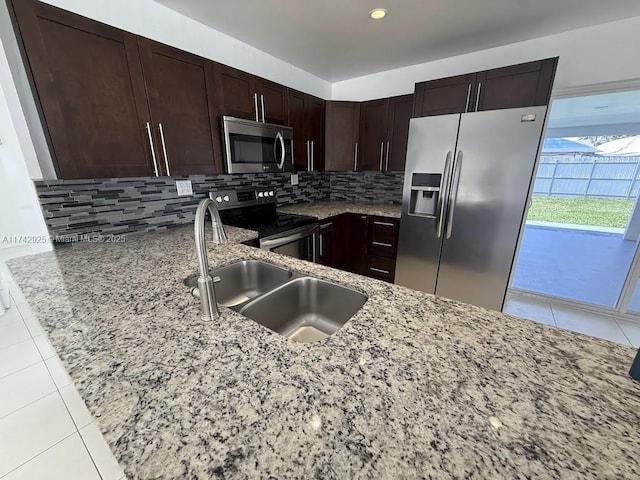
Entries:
{"x":266,"y":223}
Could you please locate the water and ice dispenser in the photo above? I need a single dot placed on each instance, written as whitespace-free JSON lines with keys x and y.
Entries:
{"x":425,"y":192}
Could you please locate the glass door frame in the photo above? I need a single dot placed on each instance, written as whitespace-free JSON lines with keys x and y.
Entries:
{"x":621,"y":310}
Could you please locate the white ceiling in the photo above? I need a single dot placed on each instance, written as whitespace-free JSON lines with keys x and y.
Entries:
{"x":604,"y":114}
{"x":336,"y":39}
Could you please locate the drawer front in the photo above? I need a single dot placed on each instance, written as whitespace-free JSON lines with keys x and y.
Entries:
{"x":383,"y":238}
{"x":382,"y":268}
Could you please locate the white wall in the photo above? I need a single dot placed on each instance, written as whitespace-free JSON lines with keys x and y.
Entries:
{"x":152,"y":20}
{"x":20,"y":213}
{"x":603,"y":53}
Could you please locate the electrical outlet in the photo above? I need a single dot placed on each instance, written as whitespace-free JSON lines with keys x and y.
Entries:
{"x":294,"y":179}
{"x":184,"y":188}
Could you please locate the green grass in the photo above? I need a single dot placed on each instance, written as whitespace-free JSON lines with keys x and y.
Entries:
{"x":599,"y":212}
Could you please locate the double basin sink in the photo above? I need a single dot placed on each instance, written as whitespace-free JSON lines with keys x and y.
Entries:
{"x":301,"y":308}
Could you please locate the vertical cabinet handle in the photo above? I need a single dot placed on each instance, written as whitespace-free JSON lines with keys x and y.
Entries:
{"x":164,"y":149}
{"x":312,"y":156}
{"x":308,"y":155}
{"x":153,"y":151}
{"x":386,"y":168}
{"x":466,"y":105}
{"x":262,"y":106}
{"x":381,"y":154}
{"x":478,"y":96}
{"x":321,"y":246}
{"x":255,"y":105}
{"x":355,"y":159}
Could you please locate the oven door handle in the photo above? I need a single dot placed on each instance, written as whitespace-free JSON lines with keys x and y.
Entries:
{"x":274,"y":242}
{"x":279,"y":138}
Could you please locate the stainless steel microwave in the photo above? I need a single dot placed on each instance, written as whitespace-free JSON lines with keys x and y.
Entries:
{"x":251,"y":147}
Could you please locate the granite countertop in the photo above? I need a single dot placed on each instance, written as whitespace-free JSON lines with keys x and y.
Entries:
{"x":413,"y":386}
{"x":323,"y":210}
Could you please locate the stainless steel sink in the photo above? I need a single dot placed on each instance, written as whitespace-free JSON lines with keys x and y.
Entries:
{"x":305,"y":309}
{"x":240,"y":282}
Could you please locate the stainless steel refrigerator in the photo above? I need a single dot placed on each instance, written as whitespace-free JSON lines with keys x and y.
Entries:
{"x":467,"y":181}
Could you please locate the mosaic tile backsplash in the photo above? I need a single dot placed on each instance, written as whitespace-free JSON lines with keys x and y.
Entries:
{"x":126,"y":205}
{"x":367,"y":186}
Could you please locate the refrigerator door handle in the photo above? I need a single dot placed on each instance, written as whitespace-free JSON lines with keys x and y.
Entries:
{"x":457,"y":167}
{"x":446,"y":176}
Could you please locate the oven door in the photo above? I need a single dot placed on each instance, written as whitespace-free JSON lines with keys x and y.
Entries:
{"x":299,"y":243}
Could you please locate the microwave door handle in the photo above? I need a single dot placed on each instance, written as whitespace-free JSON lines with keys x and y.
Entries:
{"x":280,"y":139}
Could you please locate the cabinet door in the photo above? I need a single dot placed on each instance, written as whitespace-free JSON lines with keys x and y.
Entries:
{"x":445,"y":96}
{"x":88,"y":80}
{"x":373,"y":134}
{"x":315,"y":133}
{"x":523,"y":85}
{"x":272,"y":102}
{"x":326,"y":247}
{"x":400,"y":111}
{"x":350,"y":235}
{"x":297,"y":120}
{"x":236,"y":93}
{"x":179,"y":86}
{"x":342,"y":125}
{"x":358,"y":242}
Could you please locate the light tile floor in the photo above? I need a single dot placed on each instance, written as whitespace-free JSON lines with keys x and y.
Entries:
{"x":46,"y":431}
{"x":573,"y":319}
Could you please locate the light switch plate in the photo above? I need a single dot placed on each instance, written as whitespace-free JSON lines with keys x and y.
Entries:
{"x":294,"y":179}
{"x":184,"y":188}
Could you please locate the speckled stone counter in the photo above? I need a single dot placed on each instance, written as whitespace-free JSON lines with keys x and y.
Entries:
{"x":323,"y":210}
{"x":408,"y":388}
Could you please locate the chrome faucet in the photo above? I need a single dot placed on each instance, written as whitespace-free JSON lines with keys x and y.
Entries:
{"x":208,"y":305}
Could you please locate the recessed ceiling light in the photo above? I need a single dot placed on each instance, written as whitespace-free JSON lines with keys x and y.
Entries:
{"x":378,"y":13}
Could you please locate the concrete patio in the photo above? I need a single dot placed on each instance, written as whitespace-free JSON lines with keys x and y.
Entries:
{"x":584,"y":265}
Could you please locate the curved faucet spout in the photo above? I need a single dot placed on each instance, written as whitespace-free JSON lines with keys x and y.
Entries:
{"x":209,"y":307}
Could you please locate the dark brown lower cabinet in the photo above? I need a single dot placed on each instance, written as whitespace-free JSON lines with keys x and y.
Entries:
{"x":326,"y":243}
{"x":361,"y":244}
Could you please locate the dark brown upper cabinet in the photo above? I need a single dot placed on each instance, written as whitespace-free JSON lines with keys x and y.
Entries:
{"x":384,"y":131}
{"x":236,"y":93}
{"x":243,"y":95}
{"x":113,"y":106}
{"x":522,"y":85}
{"x":88,"y":79}
{"x":373,"y":134}
{"x":306,"y":117}
{"x":444,"y":96}
{"x":273,"y":102}
{"x":181,"y":101}
{"x":399,"y":113}
{"x":342,"y":126}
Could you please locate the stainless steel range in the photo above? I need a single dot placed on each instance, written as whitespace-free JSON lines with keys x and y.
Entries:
{"x":287,"y":234}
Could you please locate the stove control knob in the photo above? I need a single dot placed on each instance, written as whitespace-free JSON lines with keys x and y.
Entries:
{"x":260,"y":194}
{"x":271,"y":193}
{"x":226,"y":198}
{"x":219,"y":199}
